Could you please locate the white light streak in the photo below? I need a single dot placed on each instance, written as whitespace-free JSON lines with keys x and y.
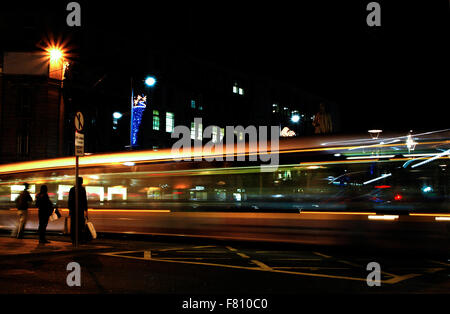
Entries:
{"x":442,"y":218}
{"x":371,"y":157}
{"x":379,"y":178}
{"x":431,"y":159}
{"x":383,"y":217}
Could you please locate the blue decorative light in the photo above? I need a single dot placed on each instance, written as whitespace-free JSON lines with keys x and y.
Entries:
{"x":427,"y":189}
{"x":139,"y":105}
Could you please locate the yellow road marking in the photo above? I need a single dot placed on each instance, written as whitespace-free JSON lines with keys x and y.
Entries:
{"x":198,"y":258}
{"x":261,"y":265}
{"x":204,"y":246}
{"x":349,"y":263}
{"x":397,"y":279}
{"x":172,"y":249}
{"x":310,"y":267}
{"x":231,"y":249}
{"x":243,"y":255}
{"x":322,"y":255}
{"x":440,"y":263}
{"x":187,"y":251}
{"x":433,"y":270}
{"x":295,"y":259}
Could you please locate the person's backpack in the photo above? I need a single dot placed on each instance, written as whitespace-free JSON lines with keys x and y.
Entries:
{"x":21,"y":202}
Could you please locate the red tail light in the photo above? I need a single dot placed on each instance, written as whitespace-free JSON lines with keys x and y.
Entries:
{"x":398,"y":197}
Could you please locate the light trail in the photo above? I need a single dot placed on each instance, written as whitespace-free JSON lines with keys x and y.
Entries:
{"x":149,"y":156}
{"x":379,"y":178}
{"x":431,"y":159}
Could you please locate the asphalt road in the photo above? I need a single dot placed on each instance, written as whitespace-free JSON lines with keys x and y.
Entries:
{"x":316,"y":228}
{"x":152,"y":265}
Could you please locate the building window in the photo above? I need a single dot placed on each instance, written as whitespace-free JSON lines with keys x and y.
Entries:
{"x":237,"y":89}
{"x":275,"y":108}
{"x":200,"y":132}
{"x":194,"y":134}
{"x":155,"y":120}
{"x":170,"y":124}
{"x":23,"y":144}
{"x":192,"y":104}
{"x":214,"y":134}
{"x":192,"y":130}
{"x":25,"y":99}
{"x":217,"y":134}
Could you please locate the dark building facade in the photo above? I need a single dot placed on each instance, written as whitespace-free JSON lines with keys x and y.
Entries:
{"x":31,"y":110}
{"x":187,"y":88}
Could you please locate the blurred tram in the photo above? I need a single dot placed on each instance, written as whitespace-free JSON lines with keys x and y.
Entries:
{"x":313,"y":174}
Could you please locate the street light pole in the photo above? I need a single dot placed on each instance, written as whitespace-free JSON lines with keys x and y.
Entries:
{"x":131,"y":121}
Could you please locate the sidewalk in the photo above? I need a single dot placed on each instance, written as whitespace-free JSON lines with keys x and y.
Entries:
{"x":30,"y":246}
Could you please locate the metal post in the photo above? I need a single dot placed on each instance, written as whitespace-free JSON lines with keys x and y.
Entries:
{"x":131,"y":122}
{"x":76,"y":202}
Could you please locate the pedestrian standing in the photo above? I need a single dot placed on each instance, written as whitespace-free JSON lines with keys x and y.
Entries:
{"x":45,"y":207}
{"x":23,"y":201}
{"x":82,"y":211}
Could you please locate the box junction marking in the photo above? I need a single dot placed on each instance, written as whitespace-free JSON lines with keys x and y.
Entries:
{"x":237,"y":260}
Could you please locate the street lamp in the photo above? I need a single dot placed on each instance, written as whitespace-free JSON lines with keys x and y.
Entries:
{"x":295,"y":118}
{"x":150,"y":81}
{"x":57,"y":61}
{"x":55,"y":54}
{"x":375,"y":133}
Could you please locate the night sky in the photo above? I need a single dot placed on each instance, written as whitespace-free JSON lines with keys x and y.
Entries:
{"x":394,"y":77}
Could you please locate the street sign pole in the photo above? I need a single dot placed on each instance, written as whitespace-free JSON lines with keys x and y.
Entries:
{"x":79,"y":151}
{"x":76,"y":201}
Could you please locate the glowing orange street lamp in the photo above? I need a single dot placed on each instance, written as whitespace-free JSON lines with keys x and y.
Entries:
{"x":55,"y":54}
{"x":56,"y":57}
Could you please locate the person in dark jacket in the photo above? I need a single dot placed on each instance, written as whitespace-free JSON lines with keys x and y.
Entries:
{"x":82,"y":211}
{"x":45,"y":207}
{"x":23,"y":201}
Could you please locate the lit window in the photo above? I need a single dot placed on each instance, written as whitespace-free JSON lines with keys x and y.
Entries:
{"x":200,"y":107}
{"x":275,"y":108}
{"x":241,"y":91}
{"x":214,"y":134}
{"x":200,"y":132}
{"x":239,"y":135}
{"x":235,"y":89}
{"x":194,"y":133}
{"x":170,"y":122}
{"x":155,"y":123}
{"x":193,"y":130}
{"x":192,"y":103}
{"x":155,"y":120}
